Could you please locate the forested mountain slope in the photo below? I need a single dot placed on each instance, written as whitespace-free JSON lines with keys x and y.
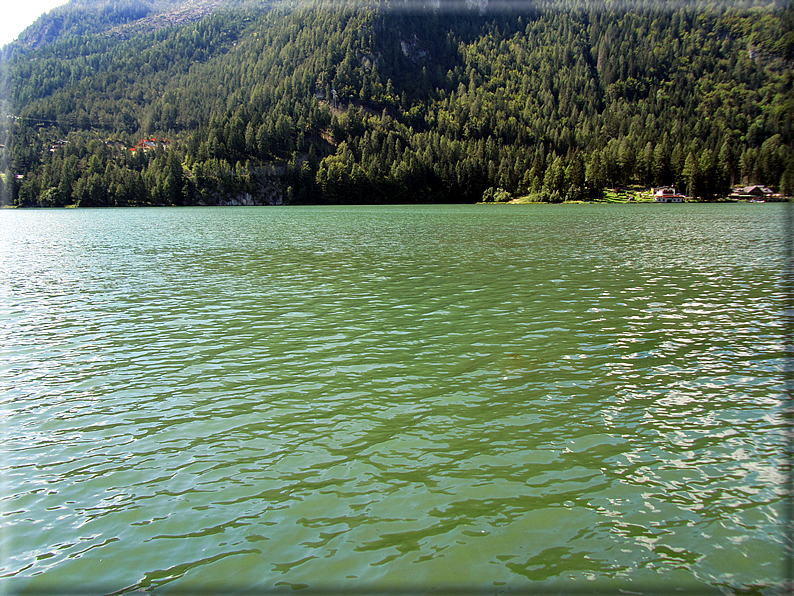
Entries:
{"x":335,"y":103}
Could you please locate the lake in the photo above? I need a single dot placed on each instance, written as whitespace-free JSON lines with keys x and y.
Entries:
{"x":403,"y":399}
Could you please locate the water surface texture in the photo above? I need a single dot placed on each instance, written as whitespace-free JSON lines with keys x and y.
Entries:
{"x":506,"y":398}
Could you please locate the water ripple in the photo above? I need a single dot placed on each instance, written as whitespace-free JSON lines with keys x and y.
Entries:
{"x":412,"y":397}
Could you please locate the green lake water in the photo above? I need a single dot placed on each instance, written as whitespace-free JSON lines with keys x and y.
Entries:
{"x":499,"y":399}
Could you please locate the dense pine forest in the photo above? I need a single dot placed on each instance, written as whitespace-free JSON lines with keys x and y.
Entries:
{"x":271,"y":103}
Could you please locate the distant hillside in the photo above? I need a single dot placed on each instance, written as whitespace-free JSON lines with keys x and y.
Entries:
{"x":124,"y":18}
{"x":405,"y":102}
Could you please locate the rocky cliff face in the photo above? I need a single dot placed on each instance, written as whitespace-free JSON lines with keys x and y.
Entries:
{"x":268,"y":193}
{"x":179,"y":13}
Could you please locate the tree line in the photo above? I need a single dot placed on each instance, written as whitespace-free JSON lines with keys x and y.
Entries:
{"x":340,"y":105}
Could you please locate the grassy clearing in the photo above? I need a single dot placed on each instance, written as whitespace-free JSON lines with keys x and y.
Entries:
{"x":611,"y":195}
{"x":628,"y":195}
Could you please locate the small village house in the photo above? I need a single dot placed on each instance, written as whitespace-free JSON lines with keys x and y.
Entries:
{"x":752,"y":192}
{"x":667,"y":194}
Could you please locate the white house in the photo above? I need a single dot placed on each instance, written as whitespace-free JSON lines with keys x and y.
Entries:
{"x":667,"y":195}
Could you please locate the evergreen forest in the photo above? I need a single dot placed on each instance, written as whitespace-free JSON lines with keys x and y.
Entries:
{"x":113,"y":103}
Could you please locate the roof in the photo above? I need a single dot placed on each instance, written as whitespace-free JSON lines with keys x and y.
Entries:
{"x":666,"y":191}
{"x":150,"y":144}
{"x":753,"y":189}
